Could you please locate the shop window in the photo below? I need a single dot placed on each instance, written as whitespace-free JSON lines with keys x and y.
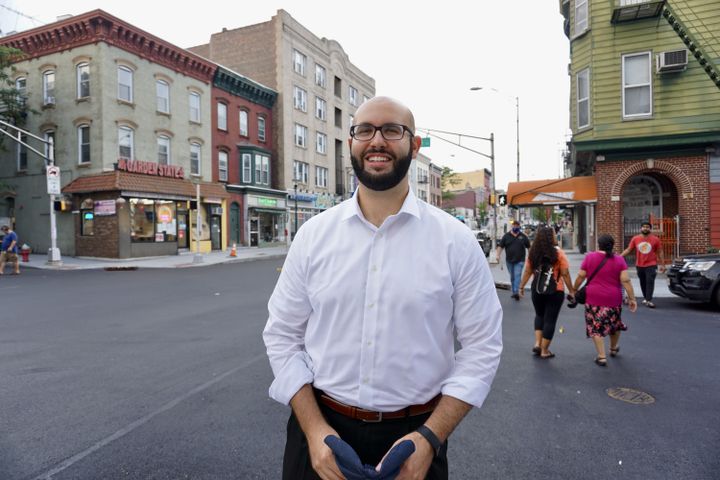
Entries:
{"x":87,"y":218}
{"x":166,"y":221}
{"x":142,"y":220}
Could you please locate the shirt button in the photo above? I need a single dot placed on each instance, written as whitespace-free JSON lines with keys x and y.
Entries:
{"x":371,"y":305}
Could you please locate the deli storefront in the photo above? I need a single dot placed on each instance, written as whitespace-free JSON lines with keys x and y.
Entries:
{"x":145,"y":209}
{"x":263,"y":216}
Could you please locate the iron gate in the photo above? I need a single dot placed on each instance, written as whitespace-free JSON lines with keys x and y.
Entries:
{"x":666,"y":229}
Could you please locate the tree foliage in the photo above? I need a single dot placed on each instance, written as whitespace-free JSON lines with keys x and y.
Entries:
{"x":13,"y":108}
{"x":448,"y":180}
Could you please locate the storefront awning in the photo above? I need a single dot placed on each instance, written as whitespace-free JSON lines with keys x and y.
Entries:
{"x":565,"y":191}
{"x":143,"y":184}
{"x":275,"y":211}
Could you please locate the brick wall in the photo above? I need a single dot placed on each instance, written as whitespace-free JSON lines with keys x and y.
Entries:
{"x":105,"y":239}
{"x":690,"y":198}
{"x":715,"y":214}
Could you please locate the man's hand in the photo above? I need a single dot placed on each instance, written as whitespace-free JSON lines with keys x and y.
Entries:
{"x":661,"y":269}
{"x":322,"y":458}
{"x":417,"y":465}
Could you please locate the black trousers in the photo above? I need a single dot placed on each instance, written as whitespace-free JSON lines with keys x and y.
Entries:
{"x":647,"y":281}
{"x":371,"y":441}
{"x":547,"y":309}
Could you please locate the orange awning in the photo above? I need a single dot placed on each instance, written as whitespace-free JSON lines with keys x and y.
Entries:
{"x":564,"y":191}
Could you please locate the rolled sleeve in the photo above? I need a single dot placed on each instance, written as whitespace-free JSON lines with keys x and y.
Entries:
{"x":477,"y":316}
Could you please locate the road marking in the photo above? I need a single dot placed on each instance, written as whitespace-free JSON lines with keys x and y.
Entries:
{"x":142,"y":421}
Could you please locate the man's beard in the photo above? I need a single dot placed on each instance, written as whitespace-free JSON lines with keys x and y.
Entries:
{"x":382,"y":181}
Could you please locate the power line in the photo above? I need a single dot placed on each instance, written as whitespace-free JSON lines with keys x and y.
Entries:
{"x":17,"y":12}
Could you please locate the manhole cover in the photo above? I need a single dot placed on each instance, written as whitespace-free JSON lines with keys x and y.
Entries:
{"x":629,"y":395}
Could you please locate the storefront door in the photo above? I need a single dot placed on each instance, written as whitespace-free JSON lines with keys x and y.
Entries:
{"x":182,"y":234}
{"x":254,"y":231}
{"x":234,"y":223}
{"x":216,"y":243}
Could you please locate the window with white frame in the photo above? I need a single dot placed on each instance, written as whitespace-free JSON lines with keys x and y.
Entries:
{"x":222,"y":116}
{"x":258,"y":169}
{"x":365,"y":98}
{"x":22,"y":153}
{"x":321,"y":177}
{"x":583,"y":98}
{"x":581,"y":16}
{"x":21,"y":88}
{"x":163,"y":146}
{"x":126,"y":141}
{"x":125,"y":84}
{"x":195,"y":158}
{"x":321,"y":143}
{"x":300,"y":99}
{"x":352,"y":95}
{"x":299,"y":61}
{"x":83,"y":136}
{"x":320,"y":76}
{"x":49,"y":137}
{"x":83,"y":80}
{"x":162,"y":94}
{"x":246,"y":168}
{"x":320,"y":108}
{"x":637,"y":86}
{"x":222,"y":166}
{"x":261,"y":129}
{"x":301,"y":133}
{"x":194,"y":101}
{"x":300,"y":171}
{"x":244,"y":123}
{"x":265,"y":162}
{"x":49,"y":87}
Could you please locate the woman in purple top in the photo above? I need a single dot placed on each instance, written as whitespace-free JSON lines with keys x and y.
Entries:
{"x":603,"y":305}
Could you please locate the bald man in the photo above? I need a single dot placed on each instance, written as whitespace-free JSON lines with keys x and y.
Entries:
{"x":361,"y":321}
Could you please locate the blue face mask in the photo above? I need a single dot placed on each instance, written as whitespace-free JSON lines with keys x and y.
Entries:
{"x":516,"y":229}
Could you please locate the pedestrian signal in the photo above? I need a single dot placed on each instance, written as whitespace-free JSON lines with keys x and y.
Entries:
{"x":502,"y":200}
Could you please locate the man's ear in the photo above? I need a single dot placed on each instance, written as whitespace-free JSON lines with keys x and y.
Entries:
{"x":416,"y":142}
{"x":350,"y":143}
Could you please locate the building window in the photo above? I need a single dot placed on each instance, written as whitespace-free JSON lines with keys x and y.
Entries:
{"x":244,"y":123}
{"x":581,"y":16}
{"x":222,"y":116}
{"x":126,"y":143}
{"x":320,"y":108}
{"x":162,"y":93}
{"x":261,"y":129}
{"x":301,"y":133}
{"x":163,"y":144}
{"x":258,"y":169}
{"x":195,"y":157}
{"x":300,"y":171}
{"x":22,"y":154}
{"x":321,"y":176}
{"x":300,"y":99}
{"x":321,"y":143}
{"x":49,"y":137}
{"x":338,"y":87}
{"x":125,"y":84}
{"x":49,"y":87}
{"x":583,"y":98}
{"x":637,"y":89}
{"x":265,"y":162}
{"x":352,"y":95}
{"x":320,"y":76}
{"x":338,"y":117}
{"x":365,"y":98}
{"x":222,"y":166}
{"x":299,"y":61}
{"x":83,"y":80}
{"x":246,"y":168}
{"x":21,"y":87}
{"x":194,"y":99}
{"x":83,"y":134}
{"x":87,"y":217}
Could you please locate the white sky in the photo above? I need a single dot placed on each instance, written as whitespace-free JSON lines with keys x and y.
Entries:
{"x":427,"y":54}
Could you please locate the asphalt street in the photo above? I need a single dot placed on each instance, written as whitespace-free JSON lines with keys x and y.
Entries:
{"x":161,"y":374}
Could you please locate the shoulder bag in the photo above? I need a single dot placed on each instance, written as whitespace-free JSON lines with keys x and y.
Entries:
{"x":581,"y":294}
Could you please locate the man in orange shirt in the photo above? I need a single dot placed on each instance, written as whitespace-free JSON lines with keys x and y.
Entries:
{"x":648,"y":249}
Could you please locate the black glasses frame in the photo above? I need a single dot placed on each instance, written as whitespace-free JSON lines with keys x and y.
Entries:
{"x":381,"y":127}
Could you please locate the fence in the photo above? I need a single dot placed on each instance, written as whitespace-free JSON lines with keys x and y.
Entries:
{"x":666,"y":229}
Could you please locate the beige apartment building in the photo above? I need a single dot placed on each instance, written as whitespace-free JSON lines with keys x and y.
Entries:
{"x":319,"y":91}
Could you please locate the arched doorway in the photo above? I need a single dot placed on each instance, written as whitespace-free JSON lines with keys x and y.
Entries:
{"x":642,"y":197}
{"x":235,"y":223}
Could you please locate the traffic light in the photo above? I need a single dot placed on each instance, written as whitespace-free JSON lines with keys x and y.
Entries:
{"x":492,"y":199}
{"x":502,"y":200}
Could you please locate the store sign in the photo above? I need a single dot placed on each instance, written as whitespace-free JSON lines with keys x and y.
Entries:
{"x":267,"y":202}
{"x":302,"y":197}
{"x":150,"y":168}
{"x":104,"y":207}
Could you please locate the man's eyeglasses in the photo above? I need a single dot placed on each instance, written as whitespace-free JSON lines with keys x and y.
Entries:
{"x":390,"y":131}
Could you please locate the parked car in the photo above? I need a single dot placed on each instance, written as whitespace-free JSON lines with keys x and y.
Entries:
{"x":484,"y":241}
{"x":696,"y":277}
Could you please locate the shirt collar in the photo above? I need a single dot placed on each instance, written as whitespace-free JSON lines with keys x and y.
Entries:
{"x":351,"y":207}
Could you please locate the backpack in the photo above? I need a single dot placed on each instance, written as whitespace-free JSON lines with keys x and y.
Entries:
{"x":544,"y":282}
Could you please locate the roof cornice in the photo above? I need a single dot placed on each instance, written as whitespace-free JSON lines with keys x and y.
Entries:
{"x":99,"y":26}
{"x":241,"y":86}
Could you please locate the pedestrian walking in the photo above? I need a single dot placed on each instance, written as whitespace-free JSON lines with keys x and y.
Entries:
{"x":360,"y":328}
{"x":648,"y":250}
{"x":515,"y":243}
{"x":9,"y":250}
{"x":603,"y":305}
{"x":549,"y":267}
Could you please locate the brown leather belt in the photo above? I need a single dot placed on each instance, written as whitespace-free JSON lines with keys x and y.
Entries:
{"x":370,"y":416}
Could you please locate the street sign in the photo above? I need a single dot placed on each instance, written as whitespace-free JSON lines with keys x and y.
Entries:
{"x":53,"y":180}
{"x":425,"y":142}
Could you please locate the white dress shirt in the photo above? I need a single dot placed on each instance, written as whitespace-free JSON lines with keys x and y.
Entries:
{"x":366,"y":314}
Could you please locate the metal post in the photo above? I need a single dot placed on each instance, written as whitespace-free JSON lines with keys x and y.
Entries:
{"x":493,"y":244}
{"x":197,"y":258}
{"x":54,"y":252}
{"x":517,"y":134}
{"x":296,"y":213}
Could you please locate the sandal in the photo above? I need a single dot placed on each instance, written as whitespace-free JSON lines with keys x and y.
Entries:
{"x":536,"y":350}
{"x":614,"y":351}
{"x":601,"y":361}
{"x":549,"y":355}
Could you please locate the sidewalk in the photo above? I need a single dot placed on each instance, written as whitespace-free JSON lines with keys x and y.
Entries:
{"x":502,"y":279}
{"x":183,"y":260}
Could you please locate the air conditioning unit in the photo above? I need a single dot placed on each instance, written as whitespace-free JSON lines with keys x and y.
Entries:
{"x":673,"y":61}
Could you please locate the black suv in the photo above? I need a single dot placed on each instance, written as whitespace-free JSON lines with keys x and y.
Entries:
{"x":696,"y":277}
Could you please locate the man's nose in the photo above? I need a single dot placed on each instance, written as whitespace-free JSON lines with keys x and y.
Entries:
{"x":377,"y":139}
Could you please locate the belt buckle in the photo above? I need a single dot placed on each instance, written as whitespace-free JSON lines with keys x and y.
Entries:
{"x":378,"y":420}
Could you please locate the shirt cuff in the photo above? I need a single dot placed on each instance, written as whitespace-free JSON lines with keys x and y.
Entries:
{"x":469,"y":390}
{"x":298,"y":371}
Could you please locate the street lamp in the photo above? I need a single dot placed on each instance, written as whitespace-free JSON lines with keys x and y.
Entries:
{"x":517,"y":124}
